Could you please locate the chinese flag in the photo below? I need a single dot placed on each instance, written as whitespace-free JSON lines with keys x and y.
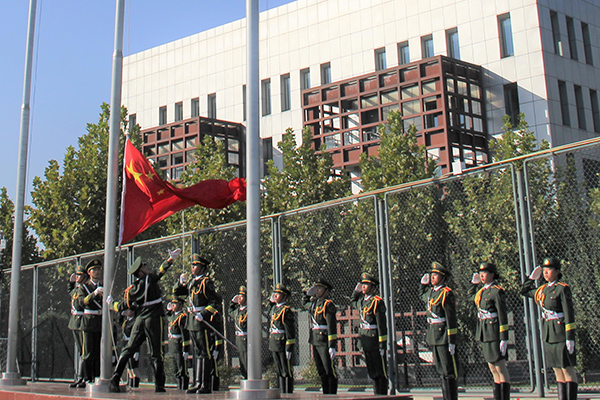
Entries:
{"x":147,"y":199}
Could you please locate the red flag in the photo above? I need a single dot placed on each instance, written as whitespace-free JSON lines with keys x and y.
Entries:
{"x":147,"y":199}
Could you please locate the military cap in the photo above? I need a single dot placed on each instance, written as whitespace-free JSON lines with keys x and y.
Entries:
{"x":80,"y":270}
{"x":439,"y":269}
{"x":94,"y":263}
{"x":179,"y":294}
{"x":281,"y":288}
{"x":322,"y":282}
{"x":242,"y":290}
{"x":196,"y":259}
{"x":551,"y":262}
{"x":135,"y":267}
{"x":368,"y":278}
{"x":489,"y":267}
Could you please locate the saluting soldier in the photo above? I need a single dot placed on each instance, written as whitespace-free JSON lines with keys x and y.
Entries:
{"x":239,"y":312}
{"x":75,"y":322}
{"x":323,"y":333}
{"x":89,"y":297}
{"x":144,"y":297}
{"x":282,"y":336}
{"x":179,"y":336}
{"x":372,"y":330}
{"x":558,"y":327}
{"x":203,"y":305}
{"x":442,"y":330}
{"x":492,"y":325}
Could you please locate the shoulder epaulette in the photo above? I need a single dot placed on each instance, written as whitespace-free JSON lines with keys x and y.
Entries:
{"x":562,"y":284}
{"x":498,"y":287}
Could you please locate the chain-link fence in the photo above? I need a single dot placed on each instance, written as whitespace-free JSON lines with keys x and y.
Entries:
{"x":513,"y":214}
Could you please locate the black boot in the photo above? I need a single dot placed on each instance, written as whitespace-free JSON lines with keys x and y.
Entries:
{"x":453,"y":388}
{"x":198,"y":377}
{"x":135,"y":382}
{"x":333,"y":384}
{"x":383,"y":386}
{"x":562,"y":390}
{"x":325,"y":384}
{"x":114,"y":382}
{"x":159,"y":376}
{"x":216,"y":382}
{"x":505,"y":391}
{"x":282,"y":384}
{"x":185,"y":381}
{"x":497,"y":390}
{"x":445,"y":389}
{"x":206,"y":382}
{"x":375,"y":386}
{"x":289,"y":384}
{"x":571,"y":390}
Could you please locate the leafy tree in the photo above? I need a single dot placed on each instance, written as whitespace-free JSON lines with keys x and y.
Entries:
{"x":29,"y":252}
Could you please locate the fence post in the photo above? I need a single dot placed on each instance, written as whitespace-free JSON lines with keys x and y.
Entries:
{"x":34,"y":324}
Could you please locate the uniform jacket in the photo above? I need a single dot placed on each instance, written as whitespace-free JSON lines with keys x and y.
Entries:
{"x":441,"y":304}
{"x":178,"y":330}
{"x":76,"y":318}
{"x":282,"y":329}
{"x":203,"y":299}
{"x":490,"y":300}
{"x":556,"y":304}
{"x":240,"y":317}
{"x":91,"y":305}
{"x":371,"y":310}
{"x":322,"y":322}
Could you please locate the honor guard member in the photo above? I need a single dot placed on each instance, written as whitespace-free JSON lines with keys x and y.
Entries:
{"x":558,"y":326}
{"x":239,"y":312}
{"x":323,"y":333}
{"x":492,"y":325}
{"x":203,"y":305}
{"x":442,"y":330}
{"x":372,"y":330}
{"x":144,"y":297}
{"x":133,"y":379}
{"x":75,"y":322}
{"x":179,"y":336}
{"x":282,"y":336}
{"x":89,"y":297}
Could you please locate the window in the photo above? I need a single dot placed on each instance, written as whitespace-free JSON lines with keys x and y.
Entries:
{"x":587,"y":43}
{"x":556,"y":33}
{"x":132,"y":122}
{"x":403,"y":53}
{"x":286,"y":96}
{"x":427,"y":46}
{"x":511,"y":102}
{"x":380,"y":59}
{"x":195,"y":108}
{"x":595,"y":110}
{"x":178,"y":111}
{"x":452,"y":43}
{"x":564,"y":103}
{"x":265,"y":89}
{"x":580,"y":110}
{"x":244,"y":100}
{"x":325,"y":73}
{"x":267,"y":150}
{"x":211,"y":104}
{"x":572,"y":38}
{"x":304,"y":79}
{"x":506,"y":39}
{"x":162,"y":115}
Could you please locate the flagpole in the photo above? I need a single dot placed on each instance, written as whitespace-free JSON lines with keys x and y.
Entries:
{"x":12,"y":375}
{"x":112,"y":174}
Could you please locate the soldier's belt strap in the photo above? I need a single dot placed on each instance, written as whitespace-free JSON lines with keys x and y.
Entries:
{"x":436,"y":320}
{"x":151,"y":302}
{"x":483,"y":314}
{"x":241,"y":333}
{"x":317,"y":327}
{"x":275,"y":330}
{"x":552,"y":315}
{"x":75,"y":312}
{"x":92,"y":312}
{"x":368,"y":326}
{"x":175,"y":336}
{"x":197,"y":309}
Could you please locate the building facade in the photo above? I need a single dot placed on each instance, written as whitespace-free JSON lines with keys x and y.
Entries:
{"x":538,"y":57}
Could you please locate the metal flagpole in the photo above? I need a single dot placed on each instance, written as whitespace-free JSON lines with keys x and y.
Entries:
{"x":110,"y":236}
{"x":12,"y":376}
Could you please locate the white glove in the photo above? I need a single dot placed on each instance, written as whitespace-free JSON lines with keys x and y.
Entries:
{"x":381,"y":352}
{"x":358,"y":287}
{"x":288,"y":355}
{"x":199,"y":317}
{"x":570,"y":346}
{"x":169,"y":306}
{"x":174,"y":254}
{"x":451,"y":348}
{"x":73,"y":277}
{"x":182,"y":279}
{"x":99,"y":290}
{"x":331,"y":353}
{"x":186,"y":355}
{"x":503,"y":347}
{"x":425,"y":279}
{"x":536,"y":273}
{"x":136,"y":356}
{"x":476,"y":279}
{"x":235,"y":299}
{"x":109,"y":300}
{"x":215,"y":354}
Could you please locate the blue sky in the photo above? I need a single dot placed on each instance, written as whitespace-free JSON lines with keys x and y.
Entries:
{"x":72,"y":65}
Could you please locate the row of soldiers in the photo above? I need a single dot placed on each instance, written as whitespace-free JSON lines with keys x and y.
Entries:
{"x":195,"y":319}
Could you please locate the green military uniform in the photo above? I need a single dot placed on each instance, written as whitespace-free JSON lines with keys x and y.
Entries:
{"x":179,"y":340}
{"x":134,"y":362}
{"x":89,"y":298}
{"x":75,"y":322}
{"x":442,"y":330}
{"x":144,"y":297}
{"x":373,"y":333}
{"x":203,"y":305}
{"x":323,"y":336}
{"x":282,"y":338}
{"x":240,"y":316}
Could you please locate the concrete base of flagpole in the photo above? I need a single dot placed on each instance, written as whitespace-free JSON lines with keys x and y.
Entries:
{"x":254,"y":389}
{"x":101,"y":386}
{"x":12,"y":379}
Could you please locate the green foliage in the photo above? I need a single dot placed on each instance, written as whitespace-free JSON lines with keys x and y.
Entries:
{"x":29,"y":251}
{"x":310,"y":374}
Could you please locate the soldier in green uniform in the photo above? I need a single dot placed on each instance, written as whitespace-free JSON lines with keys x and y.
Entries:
{"x":89,"y":298}
{"x":492,"y":325}
{"x":128,"y":320}
{"x":179,"y":336}
{"x":372,"y":330}
{"x":282,"y":336}
{"x":144,"y":297}
{"x":203,"y":305}
{"x":75,"y":321}
{"x":442,"y":330}
{"x":239,"y":312}
{"x":323,"y":333}
{"x":558,"y":327}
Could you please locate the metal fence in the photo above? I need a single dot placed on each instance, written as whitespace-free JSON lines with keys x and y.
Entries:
{"x":514,"y":214}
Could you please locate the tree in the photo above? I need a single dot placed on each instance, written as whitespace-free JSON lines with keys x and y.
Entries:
{"x":29,"y":252}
